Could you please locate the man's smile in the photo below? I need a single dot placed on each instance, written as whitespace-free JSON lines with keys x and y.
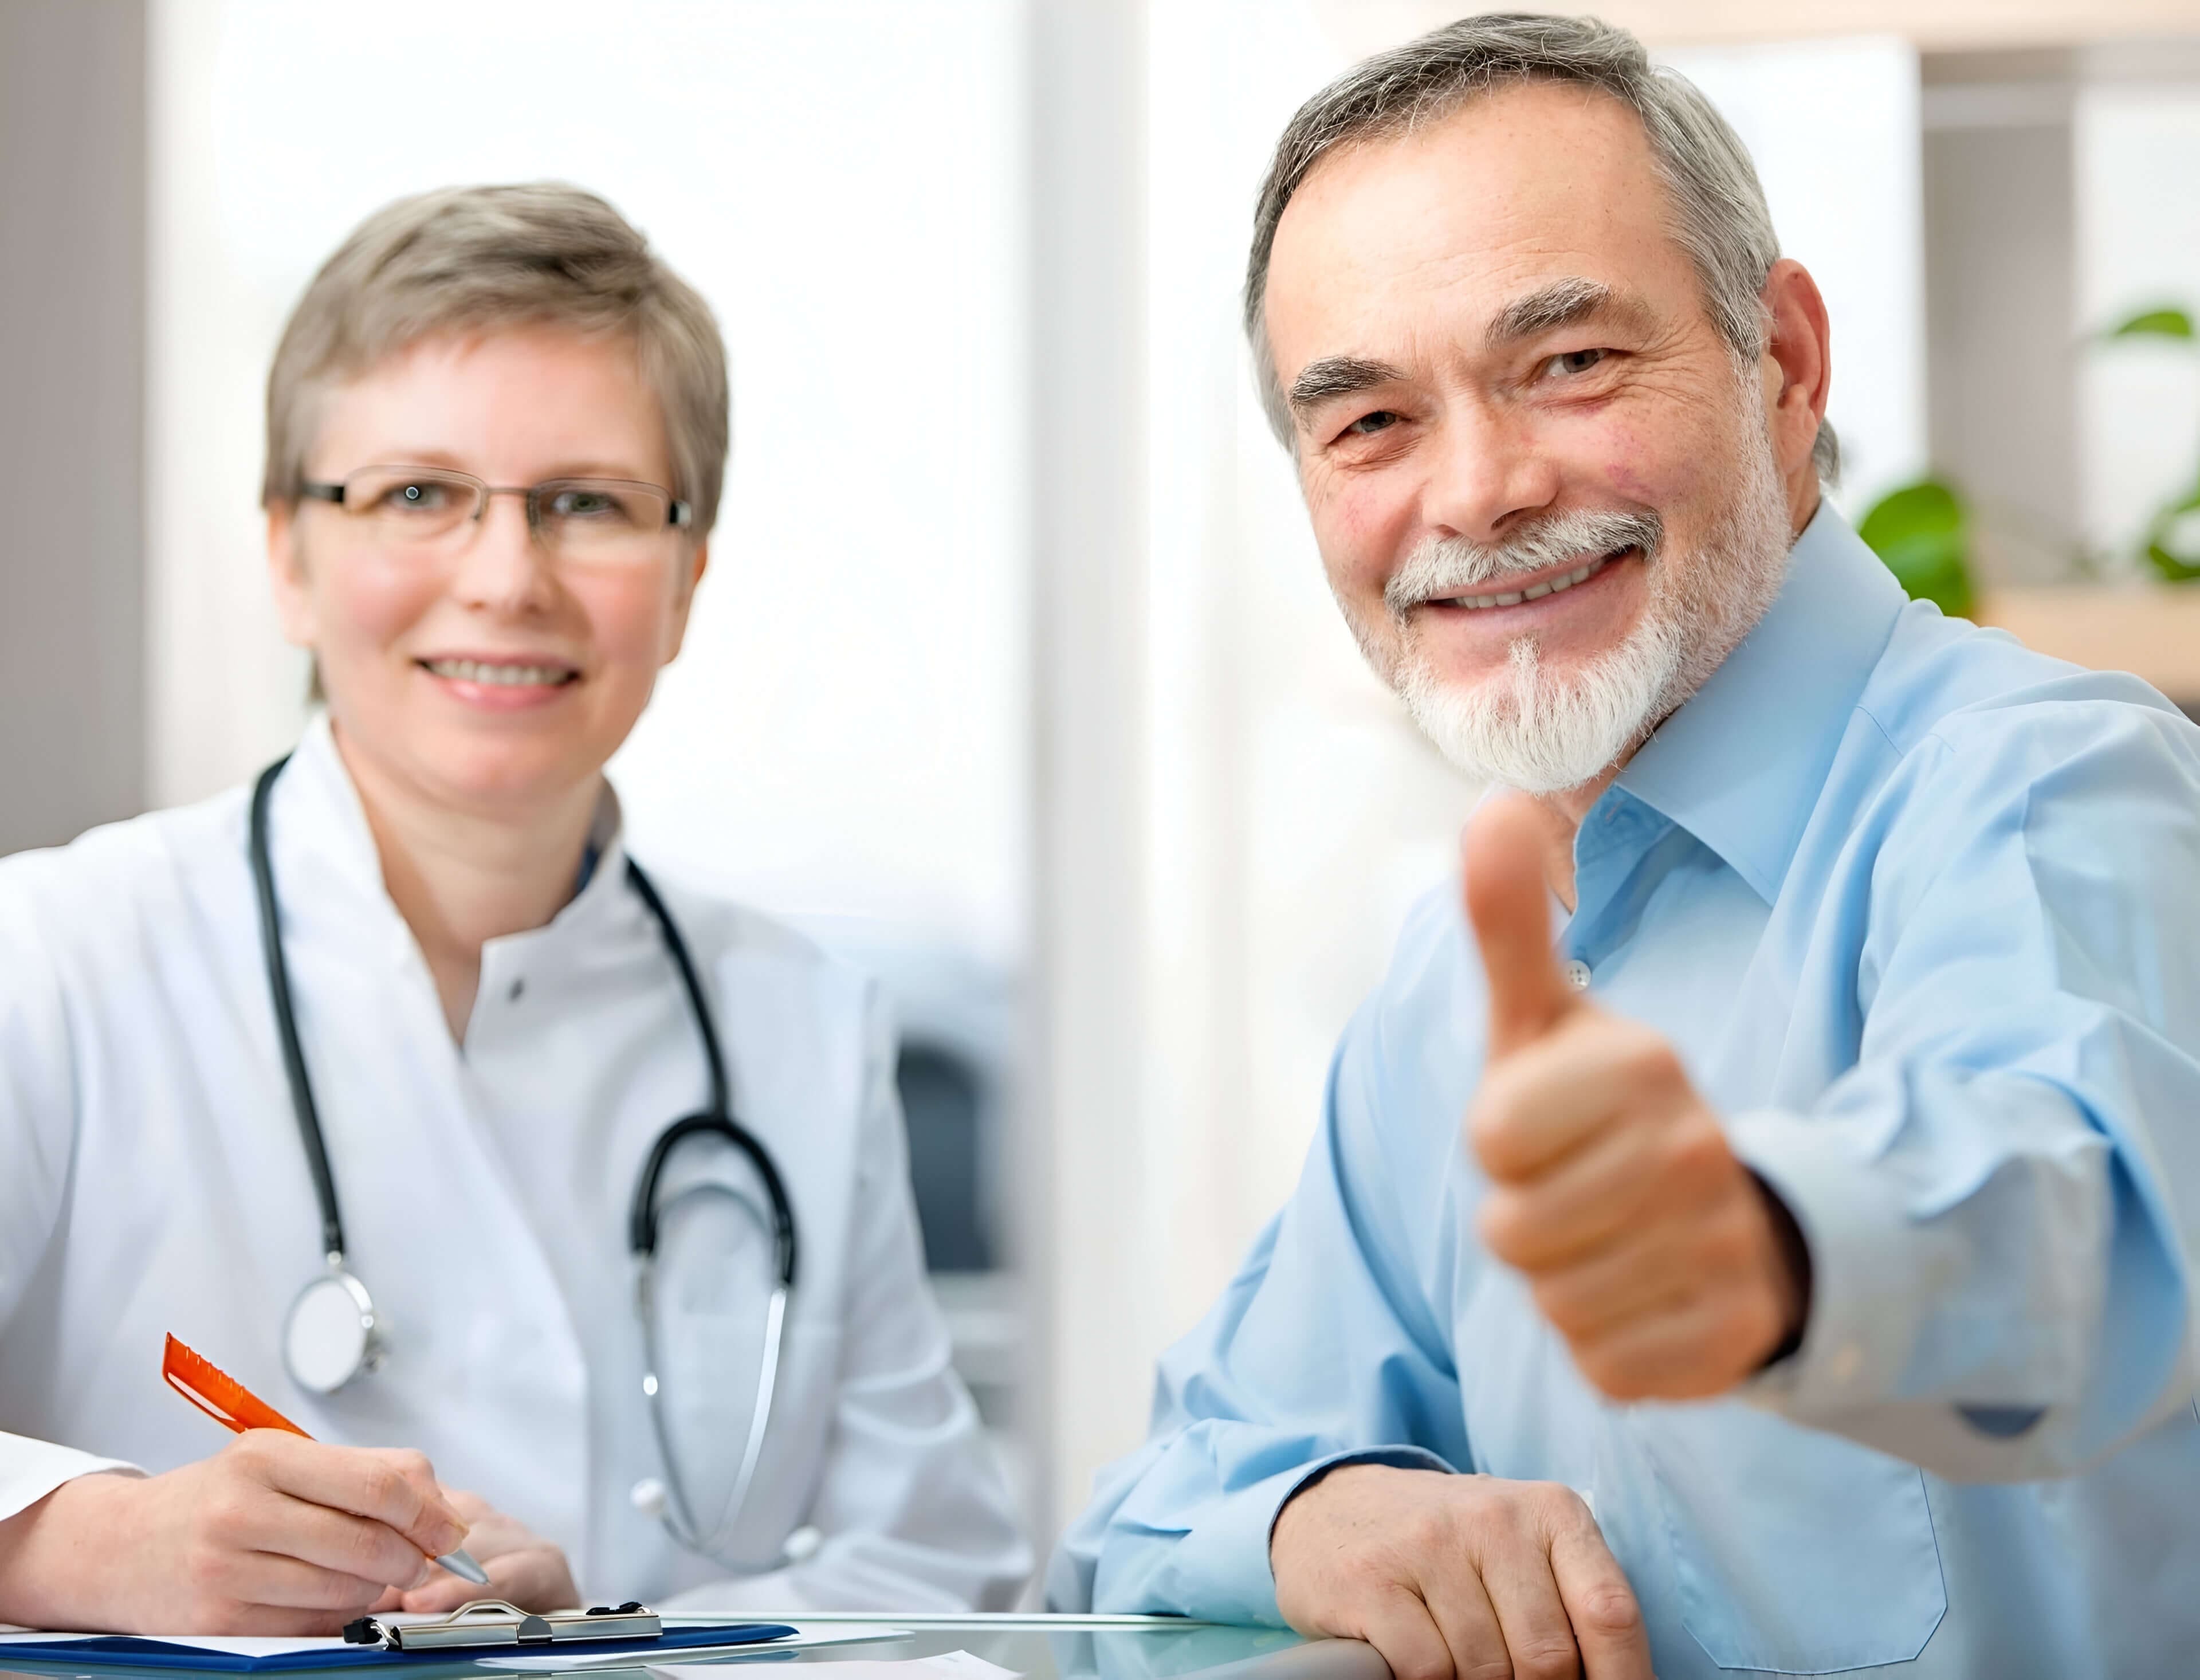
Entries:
{"x":1530,"y":586}
{"x":1602,"y":595}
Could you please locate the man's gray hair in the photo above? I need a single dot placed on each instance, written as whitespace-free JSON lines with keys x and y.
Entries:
{"x":1720,"y":215}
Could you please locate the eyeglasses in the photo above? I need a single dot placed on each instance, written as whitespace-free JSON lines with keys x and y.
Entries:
{"x":600,"y":521}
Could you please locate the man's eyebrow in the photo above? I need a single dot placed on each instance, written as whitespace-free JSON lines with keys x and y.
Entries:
{"x":1331,"y":377}
{"x":1565,"y":303}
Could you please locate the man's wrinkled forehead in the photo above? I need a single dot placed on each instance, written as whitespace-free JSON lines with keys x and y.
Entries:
{"x":1443,"y":229}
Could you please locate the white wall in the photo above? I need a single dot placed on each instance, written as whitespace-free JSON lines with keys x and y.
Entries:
{"x":846,"y":732}
{"x":1280,"y":811}
{"x":2137,"y":180}
{"x":1834,"y":128}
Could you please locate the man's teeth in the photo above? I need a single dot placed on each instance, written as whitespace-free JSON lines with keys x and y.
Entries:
{"x":1549,"y":586}
{"x":511,"y":676}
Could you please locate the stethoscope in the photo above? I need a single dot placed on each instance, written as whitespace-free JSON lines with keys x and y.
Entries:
{"x":334,"y":1335}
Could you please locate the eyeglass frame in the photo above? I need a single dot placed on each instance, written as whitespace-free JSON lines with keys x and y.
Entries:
{"x":678,"y":515}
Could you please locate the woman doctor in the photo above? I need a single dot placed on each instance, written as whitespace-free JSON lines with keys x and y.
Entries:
{"x":497,"y":427}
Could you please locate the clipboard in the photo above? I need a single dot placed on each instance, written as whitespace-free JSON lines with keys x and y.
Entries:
{"x":482,"y":1637}
{"x":490,"y":1624}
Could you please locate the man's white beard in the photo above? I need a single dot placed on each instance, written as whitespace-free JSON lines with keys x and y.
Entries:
{"x":1543,"y":731}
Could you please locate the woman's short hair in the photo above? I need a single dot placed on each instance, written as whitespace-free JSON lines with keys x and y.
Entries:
{"x":471,"y":260}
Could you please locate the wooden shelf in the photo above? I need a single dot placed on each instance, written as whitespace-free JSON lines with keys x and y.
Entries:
{"x":2151,"y":630}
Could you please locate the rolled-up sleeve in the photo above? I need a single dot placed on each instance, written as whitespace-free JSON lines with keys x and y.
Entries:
{"x":1323,"y":1350}
{"x":2000,"y":1271}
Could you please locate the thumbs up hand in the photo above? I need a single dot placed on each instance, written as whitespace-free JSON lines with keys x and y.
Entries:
{"x":1670,"y":1270}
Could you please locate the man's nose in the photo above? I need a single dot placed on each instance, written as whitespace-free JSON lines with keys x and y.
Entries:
{"x":1487,"y":470}
{"x":503,"y":567}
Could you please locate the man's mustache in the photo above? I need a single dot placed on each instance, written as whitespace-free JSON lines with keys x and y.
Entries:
{"x":1443,"y":567}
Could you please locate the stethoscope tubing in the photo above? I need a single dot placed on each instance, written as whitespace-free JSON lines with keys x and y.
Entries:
{"x":717,"y":1121}
{"x":302,"y":1105}
{"x":680,"y":1516}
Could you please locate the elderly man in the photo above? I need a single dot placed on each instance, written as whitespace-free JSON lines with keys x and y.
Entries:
{"x":1793,"y":1244}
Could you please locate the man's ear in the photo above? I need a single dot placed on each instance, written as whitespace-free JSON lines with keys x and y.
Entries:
{"x":1797,"y":365}
{"x":286,"y":576}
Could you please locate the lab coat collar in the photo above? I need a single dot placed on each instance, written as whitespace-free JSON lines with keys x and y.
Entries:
{"x":328,"y":869}
{"x":1741,"y":766}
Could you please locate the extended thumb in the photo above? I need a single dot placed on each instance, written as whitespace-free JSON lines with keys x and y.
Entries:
{"x":1508,"y":905}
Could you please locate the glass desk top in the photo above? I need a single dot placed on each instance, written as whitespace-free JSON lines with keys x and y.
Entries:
{"x":1042,"y":1647}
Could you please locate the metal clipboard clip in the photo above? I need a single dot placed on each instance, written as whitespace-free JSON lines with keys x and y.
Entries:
{"x":490,"y":1621}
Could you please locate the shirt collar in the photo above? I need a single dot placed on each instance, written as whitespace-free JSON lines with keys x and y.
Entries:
{"x":326,"y":860}
{"x":326,"y":865}
{"x":1741,"y":765}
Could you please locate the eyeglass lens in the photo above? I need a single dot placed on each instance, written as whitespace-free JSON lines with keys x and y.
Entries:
{"x":588,"y":518}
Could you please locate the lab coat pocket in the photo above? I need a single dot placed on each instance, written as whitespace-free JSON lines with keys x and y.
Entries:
{"x":1795,"y":1552}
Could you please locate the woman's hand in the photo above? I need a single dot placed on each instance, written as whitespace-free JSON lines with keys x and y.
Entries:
{"x":273,"y":1535}
{"x":524,"y":1568}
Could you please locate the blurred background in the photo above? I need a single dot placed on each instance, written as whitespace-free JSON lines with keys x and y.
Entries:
{"x":1014,"y":676}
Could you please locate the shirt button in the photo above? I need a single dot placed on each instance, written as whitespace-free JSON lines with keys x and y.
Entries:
{"x":1577,"y":973}
{"x":518,"y":988}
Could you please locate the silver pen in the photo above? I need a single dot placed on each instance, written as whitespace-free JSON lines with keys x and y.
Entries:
{"x":461,"y":1563}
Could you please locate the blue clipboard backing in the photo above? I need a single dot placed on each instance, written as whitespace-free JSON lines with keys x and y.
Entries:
{"x":123,"y":1650}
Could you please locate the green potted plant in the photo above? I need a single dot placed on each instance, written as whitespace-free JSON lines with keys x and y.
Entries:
{"x":1923,"y":533}
{"x":2172,"y":541}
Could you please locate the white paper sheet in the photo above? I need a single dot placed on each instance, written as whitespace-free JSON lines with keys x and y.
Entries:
{"x":953,"y":1665}
{"x":806,"y":1635}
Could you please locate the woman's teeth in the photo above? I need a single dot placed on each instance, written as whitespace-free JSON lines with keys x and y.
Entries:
{"x":1549,"y":586}
{"x":510,"y":677}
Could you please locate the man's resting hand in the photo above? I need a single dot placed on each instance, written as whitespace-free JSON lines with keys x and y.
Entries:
{"x":1457,"y":1576}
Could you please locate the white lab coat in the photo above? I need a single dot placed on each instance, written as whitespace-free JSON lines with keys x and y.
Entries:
{"x":152,"y":1180}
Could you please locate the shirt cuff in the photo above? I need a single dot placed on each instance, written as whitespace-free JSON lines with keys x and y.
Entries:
{"x":1219,"y":1570}
{"x":1865,"y":1266}
{"x":30,"y":1470}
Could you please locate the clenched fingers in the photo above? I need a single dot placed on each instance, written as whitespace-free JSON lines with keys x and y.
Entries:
{"x":524,"y":1568}
{"x":1547,"y":1098}
{"x":1697,"y":1349}
{"x":1604,"y":1191}
{"x":270,"y":1581}
{"x":337,"y":1541}
{"x":394,"y":1488}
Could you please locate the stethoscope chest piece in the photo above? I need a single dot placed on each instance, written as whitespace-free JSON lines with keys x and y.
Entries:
{"x":333,"y":1333}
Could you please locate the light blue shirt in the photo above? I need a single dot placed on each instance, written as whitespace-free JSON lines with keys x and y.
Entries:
{"x":1921,"y":911}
